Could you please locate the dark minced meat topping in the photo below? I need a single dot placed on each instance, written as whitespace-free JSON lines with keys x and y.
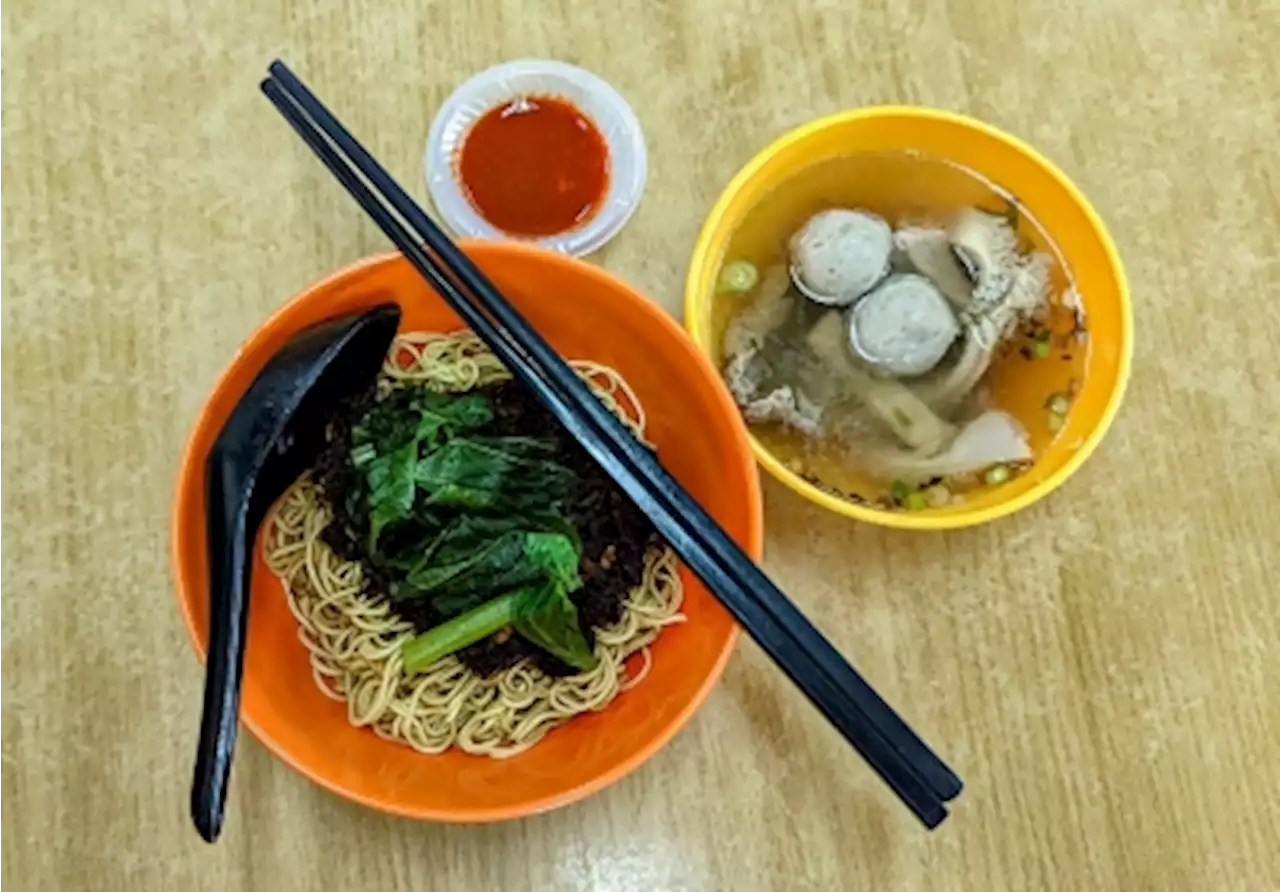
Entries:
{"x":615,"y":534}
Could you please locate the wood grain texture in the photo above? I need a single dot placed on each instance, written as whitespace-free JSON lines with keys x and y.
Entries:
{"x":1101,"y":668}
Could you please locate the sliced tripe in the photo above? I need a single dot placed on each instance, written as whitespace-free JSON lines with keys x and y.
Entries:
{"x":928,"y":250}
{"x":988,"y":245}
{"x":992,"y":438}
{"x":787,"y":406}
{"x":905,"y":414}
{"x":1027,"y":296}
{"x":743,"y":374}
{"x":945,"y":390}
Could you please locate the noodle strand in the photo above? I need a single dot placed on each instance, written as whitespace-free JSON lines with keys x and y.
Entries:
{"x":355,"y":641}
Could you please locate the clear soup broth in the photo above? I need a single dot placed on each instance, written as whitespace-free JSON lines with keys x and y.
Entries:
{"x":1035,"y":372}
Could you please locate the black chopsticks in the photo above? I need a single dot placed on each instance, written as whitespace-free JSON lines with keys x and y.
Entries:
{"x":919,"y":777}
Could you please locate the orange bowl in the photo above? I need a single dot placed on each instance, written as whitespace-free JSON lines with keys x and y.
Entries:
{"x":584,"y":313}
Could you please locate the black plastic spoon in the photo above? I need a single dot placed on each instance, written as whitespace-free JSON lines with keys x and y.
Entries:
{"x":273,"y":435}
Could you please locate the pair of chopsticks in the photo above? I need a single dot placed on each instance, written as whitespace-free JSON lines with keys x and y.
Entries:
{"x":921,"y":779}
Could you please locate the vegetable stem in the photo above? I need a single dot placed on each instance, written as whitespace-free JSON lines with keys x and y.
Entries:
{"x":363,"y":454}
{"x":459,"y":632}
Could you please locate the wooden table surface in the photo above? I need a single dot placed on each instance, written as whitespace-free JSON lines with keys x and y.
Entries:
{"x":1101,"y":668}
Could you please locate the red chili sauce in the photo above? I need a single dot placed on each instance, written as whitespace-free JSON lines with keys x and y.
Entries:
{"x":536,"y":166}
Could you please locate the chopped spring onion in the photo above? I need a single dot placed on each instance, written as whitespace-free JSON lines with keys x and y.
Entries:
{"x":996,"y":474}
{"x":900,"y":491}
{"x":1057,"y":422}
{"x":937,"y":495}
{"x":916,"y":501}
{"x":737,"y":277}
{"x":1041,"y":349}
{"x":1058,"y":404}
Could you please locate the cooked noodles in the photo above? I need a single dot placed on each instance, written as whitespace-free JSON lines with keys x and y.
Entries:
{"x":355,"y":639}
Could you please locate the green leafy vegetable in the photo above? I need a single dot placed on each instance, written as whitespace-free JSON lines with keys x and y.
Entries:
{"x":549,"y":619}
{"x":458,"y":578}
{"x":411,"y":413}
{"x":388,"y":425}
{"x":555,"y":556}
{"x":500,"y":564}
{"x":391,"y":488}
{"x":464,"y":413}
{"x":542,"y":614}
{"x":491,"y":474}
{"x":386,"y":444}
{"x":473,"y":522}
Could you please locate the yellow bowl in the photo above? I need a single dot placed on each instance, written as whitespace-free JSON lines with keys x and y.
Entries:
{"x":1048,"y":196}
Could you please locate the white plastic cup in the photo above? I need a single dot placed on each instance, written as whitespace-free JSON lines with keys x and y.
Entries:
{"x":494,"y":87}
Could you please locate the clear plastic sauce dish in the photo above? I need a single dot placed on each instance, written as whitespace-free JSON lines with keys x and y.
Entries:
{"x":536,"y":151}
